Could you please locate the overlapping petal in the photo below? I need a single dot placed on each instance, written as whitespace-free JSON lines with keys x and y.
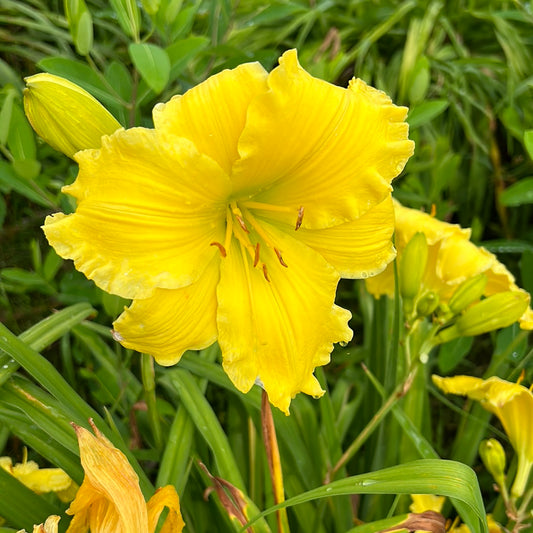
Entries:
{"x":309,"y":143}
{"x":278,"y":331}
{"x":165,"y":497}
{"x":212,"y":114}
{"x":147,"y":212}
{"x":356,"y":249}
{"x":172,"y":320}
{"x":452,"y":259}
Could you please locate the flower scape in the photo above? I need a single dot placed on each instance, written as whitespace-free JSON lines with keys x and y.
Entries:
{"x":235,"y":217}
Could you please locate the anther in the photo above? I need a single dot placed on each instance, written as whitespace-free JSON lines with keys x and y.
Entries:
{"x":265,"y":272}
{"x":280,"y":259}
{"x":256,"y":257}
{"x":241,"y":223}
{"x":300,"y":218}
{"x":220,"y":247}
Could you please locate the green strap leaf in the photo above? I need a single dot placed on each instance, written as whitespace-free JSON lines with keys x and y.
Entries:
{"x":426,"y":476}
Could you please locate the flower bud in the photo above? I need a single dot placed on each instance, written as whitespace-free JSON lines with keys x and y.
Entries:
{"x":427,"y":304}
{"x":412,"y":268}
{"x":493,"y":457}
{"x":497,"y":311}
{"x":66,"y":116}
{"x":467,"y":293}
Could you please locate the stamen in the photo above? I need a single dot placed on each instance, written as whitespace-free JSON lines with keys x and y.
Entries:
{"x":265,"y":272}
{"x":300,"y":218}
{"x":256,"y":258}
{"x":220,"y":247}
{"x":239,"y":216}
{"x":280,"y":259}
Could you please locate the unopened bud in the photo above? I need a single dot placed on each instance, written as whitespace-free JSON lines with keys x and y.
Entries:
{"x":427,"y":304}
{"x":412,"y":267}
{"x":493,"y":457}
{"x":497,"y":311}
{"x":66,"y":116}
{"x":467,"y":293}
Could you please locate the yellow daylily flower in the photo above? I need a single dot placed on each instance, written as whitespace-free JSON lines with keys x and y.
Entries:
{"x":236,"y":216}
{"x":451,"y":260}
{"x":50,"y":526}
{"x":67,"y":117}
{"x":512,"y":403}
{"x":39,"y":480}
{"x":110,"y":499}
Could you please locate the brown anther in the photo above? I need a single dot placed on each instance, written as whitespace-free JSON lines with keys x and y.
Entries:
{"x":300,"y":218}
{"x":280,"y":259}
{"x":433,"y":210}
{"x":265,"y":272}
{"x":256,"y":258}
{"x":220,"y":247}
{"x":241,"y":223}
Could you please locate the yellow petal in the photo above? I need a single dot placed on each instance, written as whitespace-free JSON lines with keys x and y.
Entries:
{"x":109,"y":498}
{"x":426,"y":502}
{"x":308,"y":143}
{"x":67,"y":117}
{"x":43,"y":479}
{"x":213,"y":113}
{"x":278,"y":331}
{"x":165,"y":497}
{"x":357,"y":249}
{"x":172,"y":321}
{"x":147,"y":213}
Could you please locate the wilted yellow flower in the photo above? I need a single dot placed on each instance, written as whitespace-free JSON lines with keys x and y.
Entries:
{"x":68,"y":118}
{"x":512,"y":403}
{"x":451,"y":260}
{"x":39,"y":480}
{"x":110,"y":499}
{"x":235,"y":218}
{"x":50,"y":526}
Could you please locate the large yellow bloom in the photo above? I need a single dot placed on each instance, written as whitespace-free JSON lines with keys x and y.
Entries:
{"x":110,"y":499}
{"x":235,"y":218}
{"x":512,"y":403}
{"x":452,"y":259}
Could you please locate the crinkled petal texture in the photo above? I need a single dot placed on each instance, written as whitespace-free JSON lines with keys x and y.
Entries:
{"x":147,"y":212}
{"x":278,"y":331}
{"x":173,"y":320}
{"x":308,"y":143}
{"x":109,"y":499}
{"x":452,"y":258}
{"x":165,"y":497}
{"x":510,"y":402}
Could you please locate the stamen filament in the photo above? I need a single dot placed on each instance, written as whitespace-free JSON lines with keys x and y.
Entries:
{"x":257,"y":227}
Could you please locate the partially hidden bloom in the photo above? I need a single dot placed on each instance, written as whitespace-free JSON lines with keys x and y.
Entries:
{"x":512,"y":403}
{"x":40,"y":480}
{"x":49,"y":526}
{"x":110,"y":499}
{"x":452,"y":259}
{"x":236,"y":216}
{"x":67,"y":117}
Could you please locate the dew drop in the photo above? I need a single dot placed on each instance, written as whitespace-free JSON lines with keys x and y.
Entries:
{"x":364,"y":275}
{"x":368,"y":482}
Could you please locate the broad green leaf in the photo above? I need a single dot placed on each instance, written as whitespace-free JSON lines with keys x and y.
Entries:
{"x":518,"y":193}
{"x":425,"y":112}
{"x":20,"y":139}
{"x":183,"y":51}
{"x":151,"y":6}
{"x":5,"y":115}
{"x":426,"y":476}
{"x":153,"y":64}
{"x":10,"y":180}
{"x":129,"y":17}
{"x":528,"y":142}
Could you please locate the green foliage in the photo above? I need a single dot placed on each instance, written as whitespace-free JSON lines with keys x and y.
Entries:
{"x":465,"y":70}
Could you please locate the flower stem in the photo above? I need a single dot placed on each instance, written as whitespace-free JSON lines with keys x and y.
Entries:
{"x":148,"y":378}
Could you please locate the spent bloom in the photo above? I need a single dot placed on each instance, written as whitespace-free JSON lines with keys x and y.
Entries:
{"x":450,"y":261}
{"x":512,"y":403}
{"x":236,"y":216}
{"x":110,"y":499}
{"x":49,"y":526}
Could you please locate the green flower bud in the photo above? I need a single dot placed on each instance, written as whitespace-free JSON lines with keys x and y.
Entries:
{"x":67,"y":117}
{"x":497,"y":311}
{"x":467,"y":293}
{"x":493,"y":457}
{"x":427,"y":304}
{"x":412,"y":267}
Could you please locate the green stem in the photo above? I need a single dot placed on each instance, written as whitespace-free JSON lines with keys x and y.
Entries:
{"x":148,"y":379}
